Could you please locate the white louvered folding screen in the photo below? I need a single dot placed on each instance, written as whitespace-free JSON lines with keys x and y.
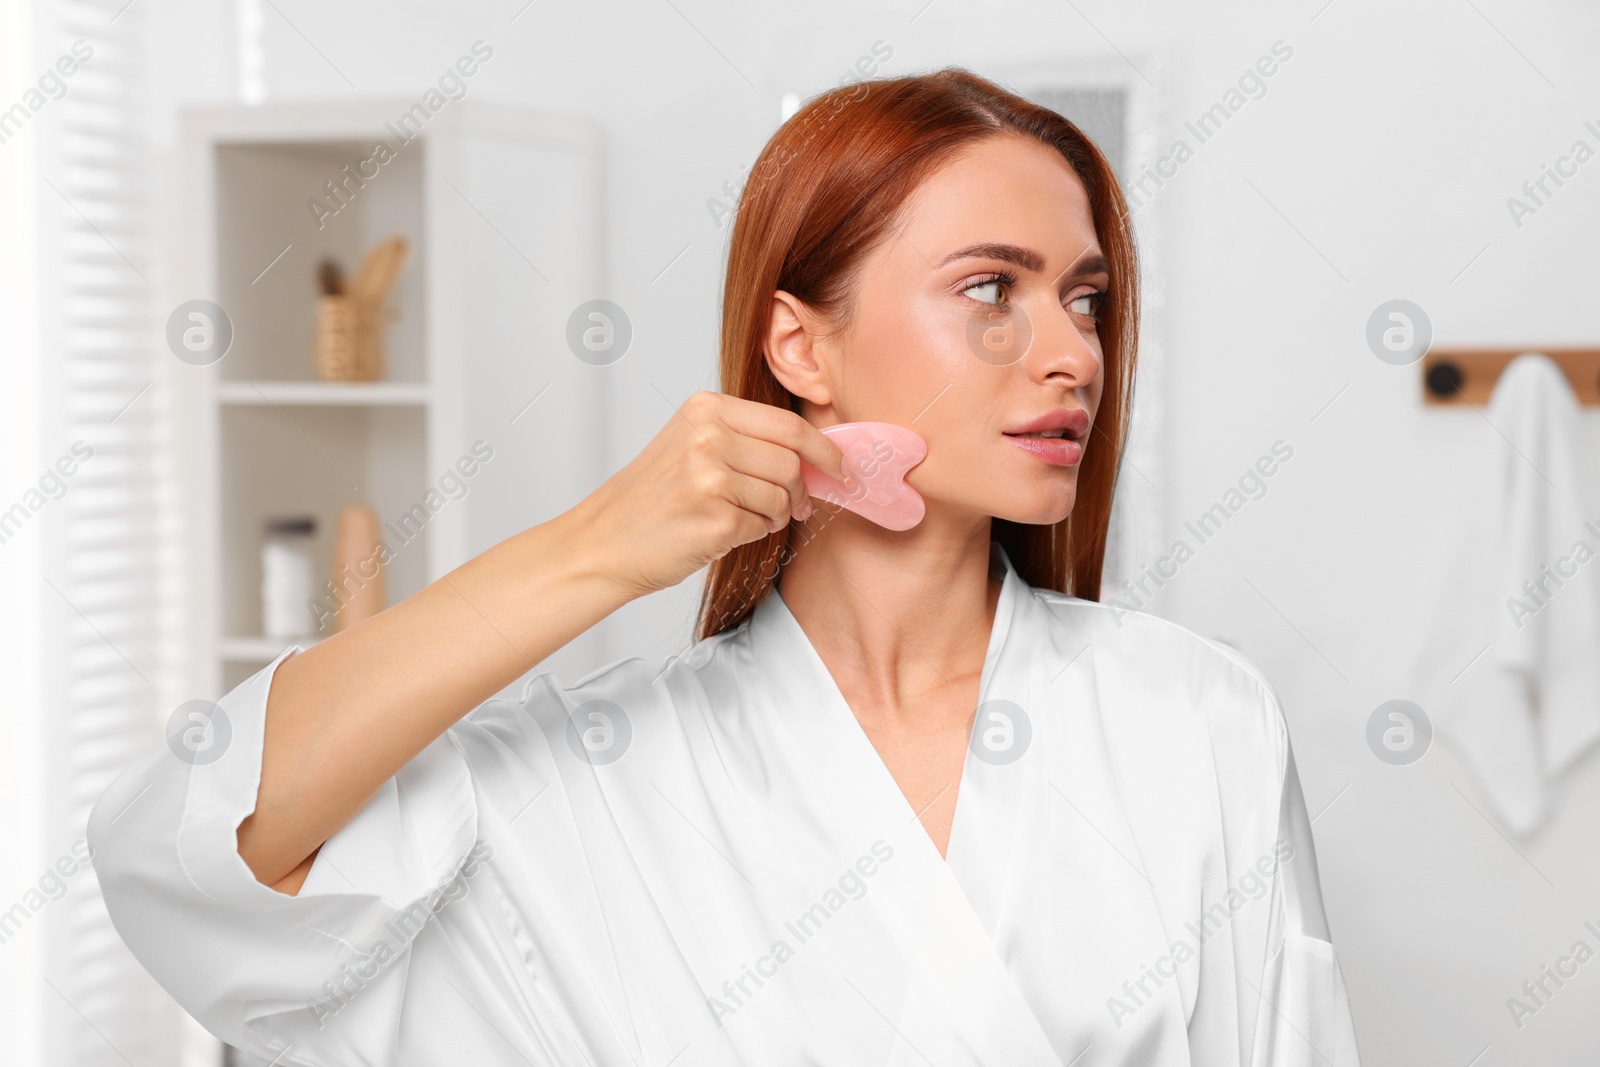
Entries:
{"x":102,"y":595}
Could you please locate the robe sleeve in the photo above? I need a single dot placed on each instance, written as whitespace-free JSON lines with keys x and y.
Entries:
{"x":1302,"y":1009}
{"x":264,"y":971}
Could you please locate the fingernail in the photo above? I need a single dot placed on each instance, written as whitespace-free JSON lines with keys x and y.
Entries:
{"x":805,"y":512}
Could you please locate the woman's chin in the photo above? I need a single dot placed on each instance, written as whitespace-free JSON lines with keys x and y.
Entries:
{"x":1045,"y":506}
{"x":1041,"y":509}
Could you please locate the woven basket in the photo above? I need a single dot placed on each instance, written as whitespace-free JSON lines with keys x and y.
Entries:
{"x":348,"y":342}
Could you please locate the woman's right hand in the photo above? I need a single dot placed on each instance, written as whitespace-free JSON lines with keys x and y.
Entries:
{"x":722,"y":472}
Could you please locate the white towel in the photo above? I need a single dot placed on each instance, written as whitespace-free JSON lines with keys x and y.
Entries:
{"x":1523,"y":598}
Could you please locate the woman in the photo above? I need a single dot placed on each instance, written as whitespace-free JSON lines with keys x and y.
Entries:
{"x":912,"y":797}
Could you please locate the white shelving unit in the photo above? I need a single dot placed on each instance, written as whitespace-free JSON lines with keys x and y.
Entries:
{"x":500,"y":208}
{"x":314,"y":394}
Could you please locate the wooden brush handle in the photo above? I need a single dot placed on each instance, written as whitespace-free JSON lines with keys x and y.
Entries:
{"x":379,"y":272}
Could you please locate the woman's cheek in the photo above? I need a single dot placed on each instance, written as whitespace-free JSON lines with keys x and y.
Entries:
{"x":956,"y":466}
{"x":931,"y":338}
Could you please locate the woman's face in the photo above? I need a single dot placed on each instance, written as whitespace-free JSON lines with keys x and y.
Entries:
{"x":973,"y":322}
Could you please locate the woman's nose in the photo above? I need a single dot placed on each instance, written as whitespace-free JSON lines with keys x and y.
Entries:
{"x":1060,"y":348}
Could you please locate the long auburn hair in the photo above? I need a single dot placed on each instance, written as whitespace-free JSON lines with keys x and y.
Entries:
{"x":825,"y":190}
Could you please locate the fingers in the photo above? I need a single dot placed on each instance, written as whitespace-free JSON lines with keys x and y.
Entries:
{"x":768,"y":462}
{"x":751,"y":455}
{"x":768,"y":502}
{"x":783,"y":427}
{"x":747,"y":526}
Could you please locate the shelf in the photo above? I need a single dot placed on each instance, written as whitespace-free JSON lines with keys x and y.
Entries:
{"x":314,"y":461}
{"x":268,"y":239}
{"x":472,"y":335}
{"x":260,"y":649}
{"x":348,"y":394}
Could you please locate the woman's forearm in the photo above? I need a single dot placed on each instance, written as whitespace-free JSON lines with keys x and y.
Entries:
{"x":345,"y":715}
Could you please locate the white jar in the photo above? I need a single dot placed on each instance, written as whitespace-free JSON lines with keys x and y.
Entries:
{"x":288,"y":577}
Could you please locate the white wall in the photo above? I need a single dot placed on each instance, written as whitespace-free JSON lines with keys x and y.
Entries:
{"x":1376,"y":166}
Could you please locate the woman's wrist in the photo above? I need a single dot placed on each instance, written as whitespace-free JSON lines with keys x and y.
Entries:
{"x":573,"y":551}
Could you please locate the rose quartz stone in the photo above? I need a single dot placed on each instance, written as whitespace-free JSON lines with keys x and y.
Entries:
{"x":876,"y":456}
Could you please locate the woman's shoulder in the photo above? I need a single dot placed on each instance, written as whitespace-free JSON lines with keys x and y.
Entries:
{"x":630,"y":686}
{"x":633,"y":706}
{"x":1164,"y":660}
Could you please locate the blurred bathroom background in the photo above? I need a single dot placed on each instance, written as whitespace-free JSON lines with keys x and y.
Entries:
{"x":244,"y":345}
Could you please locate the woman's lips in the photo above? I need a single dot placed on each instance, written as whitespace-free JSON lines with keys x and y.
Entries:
{"x":1055,"y":437}
{"x":1071,"y":422}
{"x":1057,"y":451}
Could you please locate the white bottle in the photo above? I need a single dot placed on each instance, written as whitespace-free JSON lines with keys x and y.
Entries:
{"x":288,"y":577}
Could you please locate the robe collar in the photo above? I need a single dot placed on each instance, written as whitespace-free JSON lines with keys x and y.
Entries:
{"x":956,"y":916}
{"x":784,"y":651}
{"x":939,"y":930}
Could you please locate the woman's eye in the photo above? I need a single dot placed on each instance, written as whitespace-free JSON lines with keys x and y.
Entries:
{"x":990,"y":292}
{"x":1087,"y":305}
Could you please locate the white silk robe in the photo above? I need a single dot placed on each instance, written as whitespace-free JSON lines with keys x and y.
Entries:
{"x":713,"y":866}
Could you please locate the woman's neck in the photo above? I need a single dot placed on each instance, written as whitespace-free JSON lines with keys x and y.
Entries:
{"x":894,"y":616}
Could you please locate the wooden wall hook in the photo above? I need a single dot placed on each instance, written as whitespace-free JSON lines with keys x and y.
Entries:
{"x":1454,"y":377}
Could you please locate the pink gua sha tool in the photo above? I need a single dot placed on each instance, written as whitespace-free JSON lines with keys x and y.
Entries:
{"x":876,"y":456}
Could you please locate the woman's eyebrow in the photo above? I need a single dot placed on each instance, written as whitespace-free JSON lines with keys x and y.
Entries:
{"x":1092,"y":263}
{"x":1026,"y":258}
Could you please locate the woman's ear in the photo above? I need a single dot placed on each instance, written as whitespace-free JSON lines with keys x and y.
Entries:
{"x":798,"y":350}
